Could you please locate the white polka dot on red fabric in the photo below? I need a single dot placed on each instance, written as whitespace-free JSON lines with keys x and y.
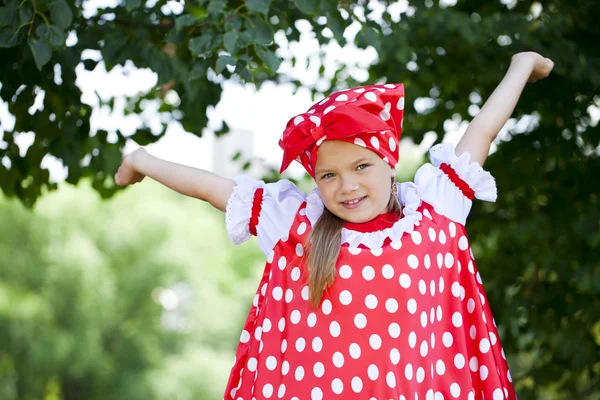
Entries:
{"x":459,"y":361}
{"x":375,"y":142}
{"x":299,"y":250}
{"x":412,"y":340}
{"x":392,"y":144}
{"x":413,"y":261}
{"x":447,"y":339}
{"x":285,"y":368}
{"x":442,"y":237}
{"x":326,"y":307}
{"x":334,"y":329}
{"x":474,"y":364}
{"x":508,"y":376}
{"x":356,"y":384}
{"x":493,"y":338}
{"x":432,"y":234}
{"x":440,"y":367}
{"x":408,"y":371}
{"x":289,"y":295}
{"x":373,"y":372}
{"x":473,"y":332}
{"x":432,"y":340}
{"x":337,"y":386}
{"x":295,"y":317}
{"x":304,"y":293}
{"x":416,"y":237}
{"x":371,"y":301}
{"x":455,"y":288}
{"x":271,"y":363}
{"x":318,"y":369}
{"x":252,"y":363}
{"x":394,"y":356}
{"x":317,"y":122}
{"x":345,"y":271}
{"x":411,"y":305}
{"x":282,"y":263}
{"x":463,"y":243}
{"x":295,"y":274}
{"x":375,"y":342}
{"x":394,"y":330}
{"x":300,"y":345}
{"x":354,"y":350}
{"x":360,"y":142}
{"x":387,"y":271}
{"x":497,"y":395}
{"x":455,"y":390}
{"x":342,"y":97}
{"x":277,"y":293}
{"x":400,"y":103}
{"x":317,"y":344}
{"x":471,"y":396}
{"x":427,"y":261}
{"x":301,"y":228}
{"x":311,"y":320}
{"x":457,"y":319}
{"x":484,"y":345}
{"x":267,"y":390}
{"x":360,"y":321}
{"x":338,"y":359}
{"x":345,"y":297}
{"x":266,"y":325}
{"x":405,"y":281}
{"x":299,"y":373}
{"x":391,"y":305}
{"x":245,"y":336}
{"x":432,"y":288}
{"x":483,"y":373}
{"x":432,"y":315}
{"x":328,"y":109}
{"x":449,"y":260}
{"x":316,"y":394}
{"x":390,"y":379}
{"x":377,"y":252}
{"x":371,"y":96}
{"x":420,"y":374}
{"x":354,"y":250}
{"x":424,"y":319}
{"x":281,"y":324}
{"x":281,"y":391}
{"x":368,"y":273}
{"x":325,"y":100}
{"x":424,"y":349}
{"x":422,"y":287}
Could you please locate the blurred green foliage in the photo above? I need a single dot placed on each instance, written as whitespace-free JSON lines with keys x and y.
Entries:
{"x":83,"y":290}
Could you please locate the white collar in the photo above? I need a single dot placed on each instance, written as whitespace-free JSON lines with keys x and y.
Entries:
{"x":410,"y":201}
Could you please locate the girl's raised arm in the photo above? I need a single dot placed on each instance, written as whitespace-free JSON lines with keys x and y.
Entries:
{"x":193,"y":182}
{"x":481,"y":132}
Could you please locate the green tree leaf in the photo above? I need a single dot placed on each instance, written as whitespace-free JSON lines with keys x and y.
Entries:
{"x":269,"y":58}
{"x":8,"y":15}
{"x":258,"y":30}
{"x":9,"y":38}
{"x":60,"y":13}
{"x":216,"y":7}
{"x":184,"y":21}
{"x":259,"y":6}
{"x":51,"y":34}
{"x":230,"y":41}
{"x":222,"y":62}
{"x":307,"y":6}
{"x":25,"y":13}
{"x":41,"y":52}
{"x":202,"y":44}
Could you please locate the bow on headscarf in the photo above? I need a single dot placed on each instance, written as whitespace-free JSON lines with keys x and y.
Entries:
{"x":368,"y":116}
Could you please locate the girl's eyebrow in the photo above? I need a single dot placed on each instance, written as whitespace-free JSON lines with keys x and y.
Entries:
{"x":360,"y":160}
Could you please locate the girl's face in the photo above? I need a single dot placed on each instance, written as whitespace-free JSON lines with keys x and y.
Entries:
{"x":354,"y":182}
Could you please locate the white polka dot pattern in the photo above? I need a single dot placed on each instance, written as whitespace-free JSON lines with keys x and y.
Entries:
{"x":403,"y":317}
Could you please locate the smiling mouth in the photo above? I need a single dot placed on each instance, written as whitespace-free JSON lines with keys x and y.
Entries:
{"x":353,"y":201}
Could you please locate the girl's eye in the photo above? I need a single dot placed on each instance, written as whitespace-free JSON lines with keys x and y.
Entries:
{"x":327,"y":176}
{"x":362,"y":166}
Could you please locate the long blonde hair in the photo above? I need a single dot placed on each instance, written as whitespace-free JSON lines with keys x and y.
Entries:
{"x":323,"y":246}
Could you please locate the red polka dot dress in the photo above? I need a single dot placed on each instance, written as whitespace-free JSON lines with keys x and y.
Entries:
{"x":407,"y":316}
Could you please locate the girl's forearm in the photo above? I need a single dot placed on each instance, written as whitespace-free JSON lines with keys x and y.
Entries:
{"x":501,"y":104}
{"x":189,"y":181}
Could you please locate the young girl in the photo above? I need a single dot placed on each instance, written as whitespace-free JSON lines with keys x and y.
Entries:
{"x":370,"y":290}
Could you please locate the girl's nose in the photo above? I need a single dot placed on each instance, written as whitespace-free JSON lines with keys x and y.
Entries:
{"x":349,"y":185}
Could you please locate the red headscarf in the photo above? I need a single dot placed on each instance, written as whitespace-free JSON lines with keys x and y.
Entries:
{"x":368,"y":116}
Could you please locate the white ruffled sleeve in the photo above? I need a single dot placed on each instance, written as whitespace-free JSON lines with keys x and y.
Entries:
{"x":450,"y":195}
{"x":275,"y":207}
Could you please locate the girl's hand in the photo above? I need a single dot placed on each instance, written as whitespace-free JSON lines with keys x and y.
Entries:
{"x":127,"y":174}
{"x":540,"y":66}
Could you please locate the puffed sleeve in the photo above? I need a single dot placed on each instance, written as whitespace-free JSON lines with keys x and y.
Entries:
{"x":449,"y":183}
{"x":266,"y":211}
